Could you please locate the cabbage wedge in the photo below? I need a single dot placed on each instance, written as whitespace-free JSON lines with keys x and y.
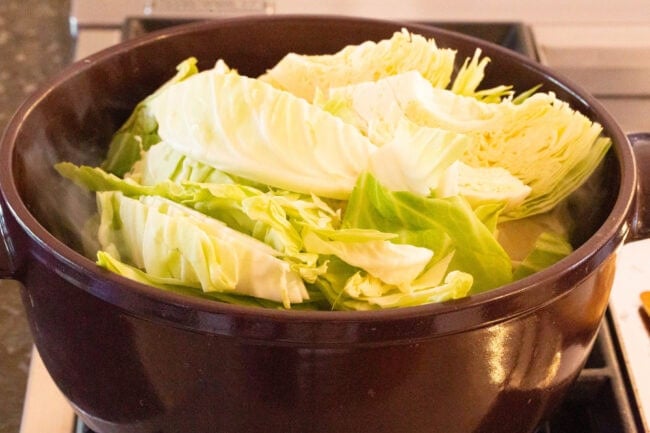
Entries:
{"x":110,"y":263}
{"x":396,"y":264}
{"x":247,"y":128}
{"x":540,"y":146}
{"x":542,"y":141}
{"x":417,"y":158}
{"x":275,"y":219}
{"x":305,"y":75}
{"x":161,"y":162}
{"x":366,"y":179}
{"x":347,"y":288}
{"x":200,"y":251}
{"x":140,"y":131}
{"x":443,"y":225}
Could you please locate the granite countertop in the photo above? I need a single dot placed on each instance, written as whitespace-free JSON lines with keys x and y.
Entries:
{"x":35,"y":43}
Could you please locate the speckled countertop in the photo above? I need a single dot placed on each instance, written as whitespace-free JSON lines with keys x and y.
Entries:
{"x":35,"y":43}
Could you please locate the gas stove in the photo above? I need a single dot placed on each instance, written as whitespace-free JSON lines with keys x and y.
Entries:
{"x":612,"y":394}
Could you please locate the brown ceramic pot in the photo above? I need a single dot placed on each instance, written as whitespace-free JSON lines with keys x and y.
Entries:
{"x":131,"y":358}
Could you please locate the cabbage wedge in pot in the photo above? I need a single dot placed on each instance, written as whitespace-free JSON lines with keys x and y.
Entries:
{"x":371,"y":178}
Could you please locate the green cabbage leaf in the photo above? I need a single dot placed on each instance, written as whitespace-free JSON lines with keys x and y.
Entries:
{"x":418,"y":158}
{"x":161,"y":162}
{"x":347,"y":288}
{"x":541,"y":141}
{"x":110,"y":263}
{"x":306,"y":75}
{"x":548,"y":249}
{"x":247,"y":128}
{"x":140,"y":131}
{"x":443,"y":225}
{"x":273,"y":218}
{"x":200,"y":251}
{"x":534,"y":152}
{"x":365,"y":179}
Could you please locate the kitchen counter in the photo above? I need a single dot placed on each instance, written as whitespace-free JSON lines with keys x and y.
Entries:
{"x":35,"y":43}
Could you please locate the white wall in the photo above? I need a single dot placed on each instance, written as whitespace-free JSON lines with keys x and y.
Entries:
{"x":531,"y":11}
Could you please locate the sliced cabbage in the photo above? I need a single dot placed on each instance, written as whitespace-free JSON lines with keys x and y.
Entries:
{"x":110,"y":263}
{"x":548,"y":249}
{"x":443,"y":225}
{"x":305,"y":75}
{"x":245,"y":127}
{"x":471,"y":75}
{"x":395,"y":264}
{"x":455,"y":285}
{"x":191,"y":247}
{"x":353,"y":177}
{"x":377,"y":107}
{"x":417,"y":159}
{"x":542,"y":141}
{"x":139,"y":132}
{"x":348,"y":288}
{"x":161,"y":162}
{"x":275,"y":219}
{"x":481,"y":185}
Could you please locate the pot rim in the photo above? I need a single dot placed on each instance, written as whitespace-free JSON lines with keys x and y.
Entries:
{"x":505,"y":302}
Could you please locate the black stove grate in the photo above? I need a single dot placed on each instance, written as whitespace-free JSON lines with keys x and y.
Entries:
{"x":601,"y":401}
{"x":514,"y":36}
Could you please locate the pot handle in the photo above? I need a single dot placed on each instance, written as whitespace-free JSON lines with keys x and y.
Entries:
{"x":6,"y":248}
{"x":641,"y":220}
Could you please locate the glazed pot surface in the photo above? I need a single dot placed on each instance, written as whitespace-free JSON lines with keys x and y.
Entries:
{"x":132,"y":358}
